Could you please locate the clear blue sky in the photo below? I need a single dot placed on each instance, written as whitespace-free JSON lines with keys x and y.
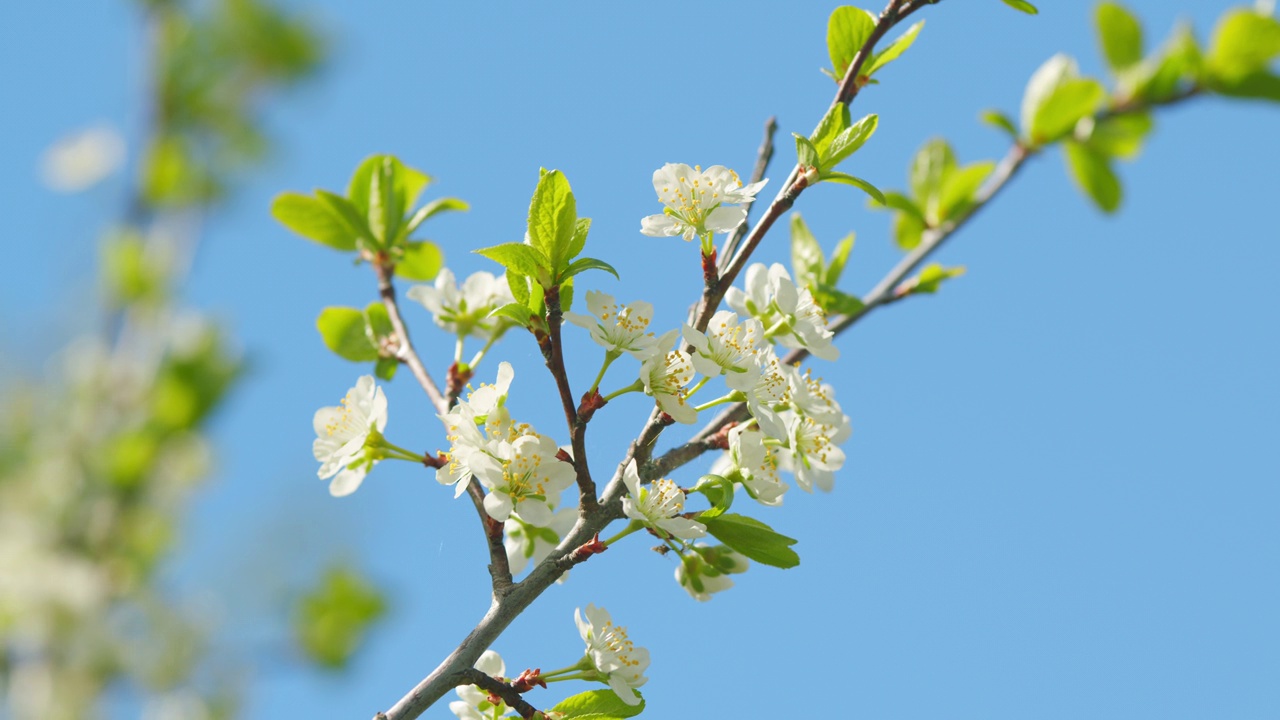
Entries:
{"x":1061,"y":493}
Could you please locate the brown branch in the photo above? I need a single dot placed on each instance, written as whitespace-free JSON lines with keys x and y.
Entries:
{"x":577,"y":427}
{"x":499,"y":689}
{"x":763,"y":155}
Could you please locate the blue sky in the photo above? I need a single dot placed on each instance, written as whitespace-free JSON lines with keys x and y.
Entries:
{"x":1061,"y":488}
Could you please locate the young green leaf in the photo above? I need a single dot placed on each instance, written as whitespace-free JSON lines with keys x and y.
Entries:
{"x":846,"y":179}
{"x":930,"y":279}
{"x":807,"y":261}
{"x":894,"y":50}
{"x":1177,"y":66}
{"x":385,"y":368}
{"x":1092,"y":173}
{"x":515,"y":311}
{"x":580,"y":230}
{"x":908,"y":230}
{"x":347,"y":215}
{"x":1244,"y":41}
{"x":430,"y":210}
{"x":754,"y":539}
{"x":839,"y":259}
{"x":377,"y":323}
{"x":517,"y":257}
{"x":408,"y":182}
{"x":847,"y":31}
{"x":997,"y":119}
{"x":421,"y":261}
{"x":1120,"y":136}
{"x":583,"y":264}
{"x":836,"y":302}
{"x":849,"y":140}
{"x":806,"y":154}
{"x":836,"y":120}
{"x":719,"y":492}
{"x":1022,"y":5}
{"x":344,"y":331}
{"x":553,"y":219}
{"x":312,"y":219}
{"x":519,"y":285}
{"x":1120,"y":34}
{"x":1056,"y":99}
{"x":929,"y":168}
{"x":958,"y":189}
{"x":596,"y":705}
{"x":385,"y":212}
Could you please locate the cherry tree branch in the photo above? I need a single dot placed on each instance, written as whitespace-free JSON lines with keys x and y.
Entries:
{"x":577,"y":426}
{"x":763,"y":155}
{"x":500,"y":689}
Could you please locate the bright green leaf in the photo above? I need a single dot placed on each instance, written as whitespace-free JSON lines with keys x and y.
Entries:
{"x":836,"y":120}
{"x":806,"y":154}
{"x":898,"y":201}
{"x":377,"y":322}
{"x":385,"y":212}
{"x":408,"y":183}
{"x":848,"y":141}
{"x":515,"y":311}
{"x":1062,"y":104}
{"x":997,"y":119}
{"x":517,"y":257}
{"x":1092,"y":173}
{"x":344,"y":331}
{"x":597,"y":705}
{"x":959,"y":188}
{"x":807,"y":261}
{"x":1176,"y":66}
{"x":1121,"y":135}
{"x":754,"y":539}
{"x":421,"y":261}
{"x":932,"y":277}
{"x":332,"y":620}
{"x":312,"y":219}
{"x":519,"y":285}
{"x":348,"y":215}
{"x":932,"y":163}
{"x":863,"y":185}
{"x":719,"y":492}
{"x":836,"y":302}
{"x":838,"y":260}
{"x":580,"y":230}
{"x":894,"y":50}
{"x":908,"y":230}
{"x":1120,"y":34}
{"x":1022,"y":5}
{"x":583,"y":264}
{"x":847,"y":31}
{"x":430,"y":210}
{"x":1244,"y":42}
{"x":553,"y":218}
{"x":385,"y":368}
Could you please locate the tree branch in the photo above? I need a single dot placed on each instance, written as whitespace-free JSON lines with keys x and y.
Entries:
{"x":763,"y":155}
{"x":577,"y":428}
{"x":498,"y":688}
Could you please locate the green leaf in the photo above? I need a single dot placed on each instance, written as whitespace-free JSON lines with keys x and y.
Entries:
{"x":430,"y":210}
{"x":806,"y":154}
{"x":1258,"y":85}
{"x":347,"y":215}
{"x":515,"y":311}
{"x":580,"y":230}
{"x":1120,"y":34}
{"x":932,"y":277}
{"x":1092,"y":173}
{"x":421,"y":261}
{"x":331,"y":621}
{"x":566,"y":293}
{"x":847,"y":31}
{"x":385,"y":212}
{"x":898,"y":201}
{"x":997,"y":119}
{"x":408,"y":183}
{"x":894,"y":50}
{"x":754,"y":539}
{"x":838,"y":260}
{"x":377,"y":323}
{"x":519,"y":285}
{"x":583,"y":264}
{"x":959,"y":188}
{"x":849,"y":140}
{"x":312,"y":219}
{"x":1022,"y":5}
{"x":1176,"y":66}
{"x":931,"y":165}
{"x":1244,"y":42}
{"x":846,"y":179}
{"x":1056,"y":99}
{"x":597,"y":705}
{"x":385,"y":368}
{"x":344,"y":331}
{"x":719,"y":492}
{"x":836,"y":302}
{"x":553,"y":219}
{"x":807,"y":261}
{"x":1121,"y":135}
{"x":908,"y":230}
{"x":517,"y":257}
{"x":836,"y":120}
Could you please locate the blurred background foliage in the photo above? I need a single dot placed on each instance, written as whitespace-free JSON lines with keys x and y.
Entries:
{"x":99,"y":458}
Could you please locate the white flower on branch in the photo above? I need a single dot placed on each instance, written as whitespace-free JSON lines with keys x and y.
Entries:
{"x":706,"y":570}
{"x":618,"y":331}
{"x":343,"y":432}
{"x":665,"y":375}
{"x":698,"y":202}
{"x":812,"y":397}
{"x":658,"y":506}
{"x":728,"y":346}
{"x":814,"y":453}
{"x":612,"y":653}
{"x":524,"y":475}
{"x":465,"y":311}
{"x":528,"y":544}
{"x":766,"y":384}
{"x":756,"y":465}
{"x":475,"y":704}
{"x":789,"y":314}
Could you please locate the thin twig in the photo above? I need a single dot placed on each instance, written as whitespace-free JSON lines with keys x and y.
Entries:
{"x":500,"y":689}
{"x":577,"y":429}
{"x":763,"y":155}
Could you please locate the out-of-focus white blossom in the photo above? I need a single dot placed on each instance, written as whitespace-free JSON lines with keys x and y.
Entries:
{"x":342,"y":431}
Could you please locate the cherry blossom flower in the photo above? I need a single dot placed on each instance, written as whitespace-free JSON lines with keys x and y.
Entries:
{"x":529,"y":544}
{"x":465,"y":311}
{"x":765,"y":383}
{"x":665,"y":374}
{"x":698,"y":203}
{"x":813,"y":453}
{"x":612,"y":653}
{"x":618,"y":331}
{"x":344,"y":431}
{"x":475,"y":704}
{"x":728,"y":346}
{"x":789,"y":314}
{"x":524,"y":475}
{"x":658,"y":506}
{"x":756,"y":465}
{"x":706,"y":570}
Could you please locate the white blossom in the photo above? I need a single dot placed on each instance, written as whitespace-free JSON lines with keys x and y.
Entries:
{"x":612,"y":653}
{"x":465,"y":311}
{"x":665,"y":375}
{"x":658,"y":506}
{"x":706,"y":571}
{"x":342,"y":432}
{"x":618,"y":331}
{"x":789,"y":314}
{"x":526,"y":543}
{"x":698,"y":202}
{"x":524,"y":475}
{"x":728,"y":346}
{"x":766,"y":383}
{"x":756,"y":463}
{"x":813,"y":453}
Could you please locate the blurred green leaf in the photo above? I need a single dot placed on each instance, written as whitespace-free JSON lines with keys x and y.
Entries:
{"x":930,"y":279}
{"x":997,"y":119}
{"x":347,"y":214}
{"x":959,"y":187}
{"x":847,"y":31}
{"x":847,"y":179}
{"x":1022,"y":5}
{"x":930,"y":166}
{"x":430,"y":210}
{"x":421,"y":261}
{"x":333,"y":619}
{"x":1121,"y":135}
{"x":807,"y":262}
{"x":1092,"y":173}
{"x":1056,"y":99}
{"x":343,"y":330}
{"x":908,"y":230}
{"x":838,"y":260}
{"x":894,"y":49}
{"x":1120,"y":34}
{"x":1244,"y":42}
{"x":313,"y":219}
